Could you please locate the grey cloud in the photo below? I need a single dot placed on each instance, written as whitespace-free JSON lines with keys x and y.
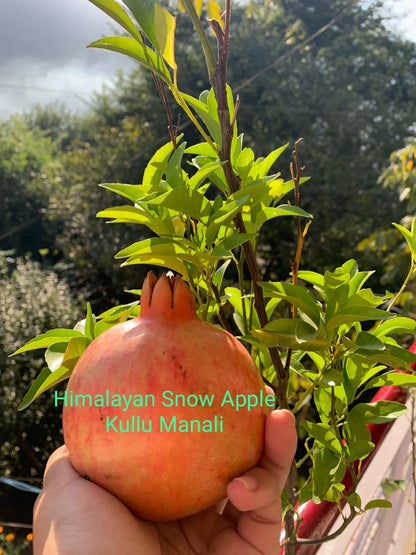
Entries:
{"x":43,"y":46}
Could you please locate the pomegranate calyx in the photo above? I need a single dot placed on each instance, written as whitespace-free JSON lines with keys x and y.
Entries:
{"x":167,"y":297}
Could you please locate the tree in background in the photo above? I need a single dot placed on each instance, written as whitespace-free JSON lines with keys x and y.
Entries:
{"x":31,"y":299}
{"x":386,"y":244}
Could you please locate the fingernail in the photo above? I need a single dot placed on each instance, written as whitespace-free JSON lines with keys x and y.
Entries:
{"x":249,"y":482}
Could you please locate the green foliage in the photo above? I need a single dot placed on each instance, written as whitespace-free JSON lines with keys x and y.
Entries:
{"x":31,"y":301}
{"x":397,"y":247}
{"x":27,"y":176}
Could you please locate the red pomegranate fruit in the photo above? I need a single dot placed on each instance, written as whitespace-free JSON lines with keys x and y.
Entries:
{"x":155,"y":410}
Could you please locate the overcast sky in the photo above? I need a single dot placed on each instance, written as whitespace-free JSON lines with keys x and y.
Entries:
{"x":43,"y":54}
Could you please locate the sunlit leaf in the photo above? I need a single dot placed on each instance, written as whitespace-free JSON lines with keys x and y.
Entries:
{"x":51,"y":337}
{"x":140,"y":52}
{"x":118,"y":14}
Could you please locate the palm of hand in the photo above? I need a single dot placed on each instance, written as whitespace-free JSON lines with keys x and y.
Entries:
{"x":73,"y":515}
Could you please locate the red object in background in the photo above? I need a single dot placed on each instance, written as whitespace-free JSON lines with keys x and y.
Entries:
{"x":318,"y":519}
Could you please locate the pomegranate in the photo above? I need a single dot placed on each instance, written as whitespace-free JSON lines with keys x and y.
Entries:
{"x":155,"y":410}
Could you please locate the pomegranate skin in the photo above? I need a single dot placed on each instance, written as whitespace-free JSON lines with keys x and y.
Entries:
{"x":159,"y":474}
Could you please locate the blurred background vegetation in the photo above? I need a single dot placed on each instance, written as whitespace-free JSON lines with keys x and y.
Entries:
{"x":350,"y":93}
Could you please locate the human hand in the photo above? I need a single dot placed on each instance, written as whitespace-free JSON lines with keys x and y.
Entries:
{"x":74,"y":515}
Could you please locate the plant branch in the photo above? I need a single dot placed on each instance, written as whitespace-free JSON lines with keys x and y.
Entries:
{"x":409,"y":276}
{"x":344,"y":525}
{"x":218,"y":81}
{"x":221,"y":309}
{"x":210,"y":60}
{"x":161,"y":89}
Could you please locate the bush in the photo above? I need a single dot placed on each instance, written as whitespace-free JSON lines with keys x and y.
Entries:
{"x":32,"y":300}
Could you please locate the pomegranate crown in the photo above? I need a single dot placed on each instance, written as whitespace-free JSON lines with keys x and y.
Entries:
{"x":167,"y":297}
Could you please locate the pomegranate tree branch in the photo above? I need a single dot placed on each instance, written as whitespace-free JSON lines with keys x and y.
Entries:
{"x":218,"y":82}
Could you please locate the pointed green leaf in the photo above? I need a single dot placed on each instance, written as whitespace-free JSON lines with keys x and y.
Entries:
{"x":324,"y":434}
{"x":203,"y":173}
{"x":392,"y":378}
{"x":158,"y":165}
{"x":378,"y":504}
{"x":268,"y":162}
{"x":135,"y":215}
{"x":352,"y":314}
{"x":297,"y":295}
{"x":377,"y":413}
{"x":51,"y":337}
{"x":117,"y":13}
{"x":210,"y":122}
{"x":31,"y":394}
{"x":184,"y":200}
{"x":401,"y":324}
{"x":173,"y":263}
{"x":165,"y":24}
{"x":291,"y":333}
{"x":131,"y":192}
{"x":133,"y":49}
{"x":408,"y":237}
{"x":369,"y":342}
{"x":144,"y":13}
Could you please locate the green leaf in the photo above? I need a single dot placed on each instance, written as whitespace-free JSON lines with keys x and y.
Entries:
{"x":203,"y":173}
{"x":30,"y":395}
{"x":184,"y":200}
{"x":117,"y":13}
{"x":378,"y":504}
{"x":210,"y":121}
{"x":116,"y":312}
{"x":312,"y":277}
{"x":324,"y":472}
{"x":164,"y":251}
{"x":219,"y":274}
{"x":352,"y":314}
{"x":409,"y":237}
{"x":292,"y":333}
{"x":377,"y":413}
{"x":49,"y":338}
{"x":44,"y":381}
{"x":244,"y":162}
{"x":354,"y":500}
{"x":368,"y":341}
{"x":131,"y":192}
{"x":158,"y":165}
{"x":401,"y":324}
{"x":394,"y":356}
{"x":225,"y":246}
{"x":392,"y":378}
{"x":268,"y":213}
{"x":267,"y":163}
{"x":204,"y":149}
{"x":297,"y":295}
{"x":222,"y":217}
{"x":175,"y":176}
{"x":89,"y":323}
{"x":157,"y":24}
{"x":133,"y":49}
{"x":136,"y":215}
{"x":324,"y":434}
{"x":165,"y":24}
